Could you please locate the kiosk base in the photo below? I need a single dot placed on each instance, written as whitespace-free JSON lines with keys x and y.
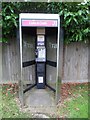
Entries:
{"x":40,"y":97}
{"x":38,"y":87}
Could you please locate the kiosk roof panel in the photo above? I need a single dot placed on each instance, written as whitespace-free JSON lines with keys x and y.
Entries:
{"x":39,"y":20}
{"x":38,"y":16}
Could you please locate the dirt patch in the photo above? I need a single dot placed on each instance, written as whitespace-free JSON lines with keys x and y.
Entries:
{"x":68,"y":89}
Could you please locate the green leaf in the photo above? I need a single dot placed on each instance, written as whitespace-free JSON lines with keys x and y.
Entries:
{"x":7,"y":17}
{"x":87,"y":30}
{"x":11,"y":9}
{"x":75,"y":20}
{"x":80,"y":12}
{"x":68,"y":21}
{"x":5,"y":40}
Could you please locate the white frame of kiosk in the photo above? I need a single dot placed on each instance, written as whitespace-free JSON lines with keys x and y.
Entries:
{"x":39,"y":20}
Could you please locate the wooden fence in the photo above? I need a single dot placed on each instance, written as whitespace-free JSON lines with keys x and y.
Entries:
{"x":75,"y":62}
{"x":10,"y":71}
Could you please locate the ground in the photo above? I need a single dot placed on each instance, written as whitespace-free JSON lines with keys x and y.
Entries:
{"x":73,"y":102}
{"x":10,"y":108}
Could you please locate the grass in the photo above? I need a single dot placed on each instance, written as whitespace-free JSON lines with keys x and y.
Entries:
{"x":0,"y":102}
{"x":76,"y":104}
{"x":9,"y":106}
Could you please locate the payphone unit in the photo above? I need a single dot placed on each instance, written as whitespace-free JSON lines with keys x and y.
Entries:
{"x":40,"y":58}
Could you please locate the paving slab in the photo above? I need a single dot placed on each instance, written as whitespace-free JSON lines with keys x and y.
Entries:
{"x":39,"y":98}
{"x":40,"y":102}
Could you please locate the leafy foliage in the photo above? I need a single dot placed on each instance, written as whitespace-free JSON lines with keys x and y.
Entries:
{"x":75,"y":17}
{"x":76,"y":22}
{"x":9,"y":19}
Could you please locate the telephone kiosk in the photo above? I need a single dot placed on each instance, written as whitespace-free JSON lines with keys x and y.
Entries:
{"x":43,"y":33}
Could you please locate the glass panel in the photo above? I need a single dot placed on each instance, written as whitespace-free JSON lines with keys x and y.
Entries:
{"x":28,"y":55}
{"x":51,"y":45}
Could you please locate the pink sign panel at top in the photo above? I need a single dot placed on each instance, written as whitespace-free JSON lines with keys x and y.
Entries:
{"x":40,"y":23}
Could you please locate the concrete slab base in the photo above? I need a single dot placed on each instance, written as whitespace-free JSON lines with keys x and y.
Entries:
{"x":39,"y":98}
{"x":40,"y":101}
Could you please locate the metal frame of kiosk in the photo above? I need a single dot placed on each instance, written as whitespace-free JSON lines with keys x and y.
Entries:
{"x":40,"y":22}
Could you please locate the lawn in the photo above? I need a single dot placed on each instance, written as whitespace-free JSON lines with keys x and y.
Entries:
{"x":74,"y":102}
{"x":9,"y":107}
{"x":0,"y":102}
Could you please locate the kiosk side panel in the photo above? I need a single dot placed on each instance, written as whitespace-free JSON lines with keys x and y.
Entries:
{"x":28,"y":58}
{"x":51,"y":66}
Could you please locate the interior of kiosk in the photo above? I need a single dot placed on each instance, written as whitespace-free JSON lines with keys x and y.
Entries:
{"x":39,"y":56}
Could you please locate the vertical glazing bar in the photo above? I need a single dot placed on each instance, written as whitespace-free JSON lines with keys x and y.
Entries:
{"x":21,"y":97}
{"x":58,"y":80}
{"x":1,"y":82}
{"x":1,"y":78}
{"x":89,"y":61}
{"x":1,"y":47}
{"x":89,"y":73}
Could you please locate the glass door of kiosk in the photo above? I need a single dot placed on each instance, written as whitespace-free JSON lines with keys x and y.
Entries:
{"x":40,"y":59}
